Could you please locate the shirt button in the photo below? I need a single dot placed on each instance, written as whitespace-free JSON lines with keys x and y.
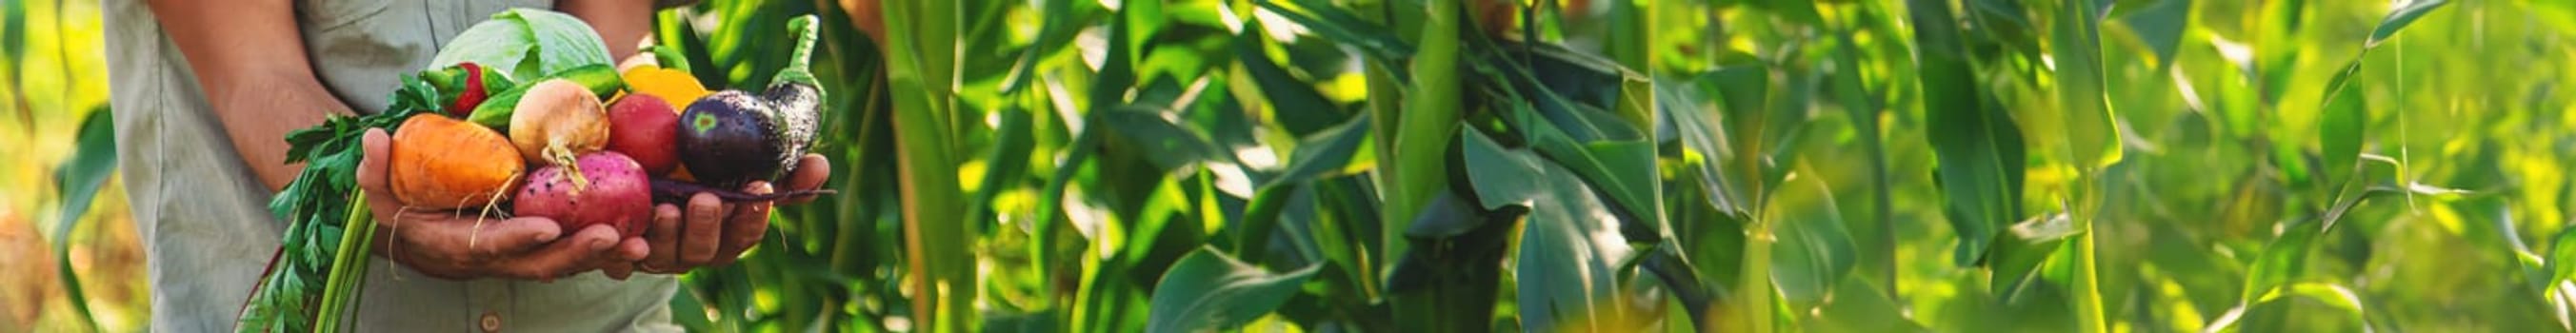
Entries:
{"x":491,"y":322}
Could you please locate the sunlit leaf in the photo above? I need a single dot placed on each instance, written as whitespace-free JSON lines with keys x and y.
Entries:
{"x":1815,"y":251}
{"x":2346,"y":111}
{"x":2032,"y":242}
{"x":2335,"y":296}
{"x":2562,"y":256}
{"x":1680,"y":109}
{"x":1208,"y":291}
{"x":1327,"y":152}
{"x":2161,"y":26}
{"x":2399,"y":18}
{"x":1172,"y":144}
{"x":2341,"y":130}
{"x":1054,"y":34}
{"x":1337,"y":24}
{"x":78,"y":181}
{"x":1295,"y":103}
{"x":1567,"y":243}
{"x":1007,"y":163}
{"x":1979,"y":148}
{"x":2279,"y":260}
{"x":2086,"y":116}
{"x":1117,"y":73}
{"x":1858,"y":307}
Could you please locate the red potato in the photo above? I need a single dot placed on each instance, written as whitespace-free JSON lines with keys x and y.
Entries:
{"x":645,"y":128}
{"x":617,"y":194}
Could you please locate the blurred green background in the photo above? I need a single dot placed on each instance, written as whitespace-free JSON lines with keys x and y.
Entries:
{"x":60,"y":209}
{"x":1105,"y":149}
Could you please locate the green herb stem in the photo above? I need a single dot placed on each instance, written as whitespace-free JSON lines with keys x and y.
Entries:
{"x":349,"y":269}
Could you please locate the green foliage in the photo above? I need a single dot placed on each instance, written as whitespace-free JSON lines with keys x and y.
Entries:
{"x":80,"y":178}
{"x":63,"y":216}
{"x":1569,"y":250}
{"x":1208,"y":291}
{"x":1670,"y":165}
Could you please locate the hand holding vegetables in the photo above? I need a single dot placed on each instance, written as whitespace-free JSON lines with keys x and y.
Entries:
{"x":418,"y":185}
{"x":584,"y":201}
{"x":460,"y":245}
{"x":571,"y":161}
{"x":710,"y":232}
{"x":733,"y":138}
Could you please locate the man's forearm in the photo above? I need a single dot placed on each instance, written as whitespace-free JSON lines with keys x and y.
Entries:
{"x":257,"y":115}
{"x":250,"y":63}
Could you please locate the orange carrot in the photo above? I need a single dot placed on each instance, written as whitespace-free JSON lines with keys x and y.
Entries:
{"x":443,"y":163}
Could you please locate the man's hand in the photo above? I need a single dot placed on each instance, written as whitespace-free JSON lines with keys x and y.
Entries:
{"x":709,"y":232}
{"x":463,"y":245}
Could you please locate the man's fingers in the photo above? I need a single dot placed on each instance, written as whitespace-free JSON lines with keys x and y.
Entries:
{"x":811,"y":171}
{"x":617,"y":270}
{"x":664,"y":238}
{"x":563,"y":256}
{"x":620,"y":264}
{"x":745,"y":228}
{"x":630,"y":250}
{"x":371,"y":178}
{"x":371,"y":166}
{"x":699,"y":233}
{"x":499,"y":238}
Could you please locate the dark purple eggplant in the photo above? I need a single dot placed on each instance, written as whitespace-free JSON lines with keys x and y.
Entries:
{"x":731,"y":138}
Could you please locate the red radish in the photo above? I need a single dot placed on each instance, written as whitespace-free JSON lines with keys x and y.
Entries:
{"x":618,"y":194}
{"x":645,"y":128}
{"x":473,"y":95}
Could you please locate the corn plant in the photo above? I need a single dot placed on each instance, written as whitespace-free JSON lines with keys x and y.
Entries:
{"x":1568,"y":165}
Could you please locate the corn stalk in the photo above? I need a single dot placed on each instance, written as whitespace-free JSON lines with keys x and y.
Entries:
{"x":921,"y":52}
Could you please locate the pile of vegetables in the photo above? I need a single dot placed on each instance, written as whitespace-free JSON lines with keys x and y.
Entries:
{"x":578,"y":141}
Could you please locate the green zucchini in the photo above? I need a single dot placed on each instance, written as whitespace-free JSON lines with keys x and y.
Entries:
{"x":602,"y":79}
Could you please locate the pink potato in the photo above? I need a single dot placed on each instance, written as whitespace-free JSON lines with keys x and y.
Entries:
{"x":617,"y":194}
